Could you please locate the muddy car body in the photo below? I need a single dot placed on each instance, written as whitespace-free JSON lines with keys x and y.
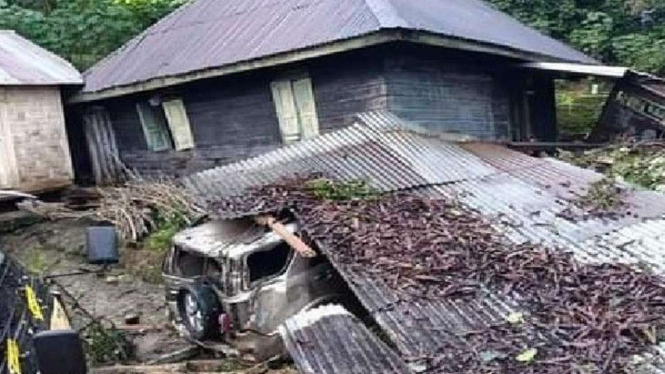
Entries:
{"x":231,"y":284}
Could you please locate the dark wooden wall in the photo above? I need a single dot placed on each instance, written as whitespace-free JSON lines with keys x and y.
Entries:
{"x":618,"y":119}
{"x":234,"y":118}
{"x":449,"y":91}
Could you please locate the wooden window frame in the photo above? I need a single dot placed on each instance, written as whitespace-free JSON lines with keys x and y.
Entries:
{"x":178,"y":123}
{"x":295,"y":105}
{"x":170,"y":122}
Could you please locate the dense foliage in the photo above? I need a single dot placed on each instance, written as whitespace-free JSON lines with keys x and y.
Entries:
{"x":83,"y":31}
{"x":622,"y":32}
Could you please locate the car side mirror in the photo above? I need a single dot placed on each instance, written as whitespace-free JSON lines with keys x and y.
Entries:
{"x":102,"y":245}
{"x":59,"y":352}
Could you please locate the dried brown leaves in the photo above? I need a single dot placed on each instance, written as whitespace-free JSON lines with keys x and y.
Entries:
{"x":131,"y":208}
{"x":579,"y":318}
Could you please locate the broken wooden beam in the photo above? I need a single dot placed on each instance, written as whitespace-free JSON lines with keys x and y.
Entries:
{"x":290,"y":238}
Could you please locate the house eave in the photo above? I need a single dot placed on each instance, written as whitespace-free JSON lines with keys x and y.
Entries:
{"x":364,"y":41}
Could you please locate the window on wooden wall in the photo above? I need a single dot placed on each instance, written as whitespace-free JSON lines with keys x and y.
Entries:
{"x":296,"y":109}
{"x":181,"y":130}
{"x":166,"y":126}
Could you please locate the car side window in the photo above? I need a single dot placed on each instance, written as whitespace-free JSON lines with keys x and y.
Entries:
{"x":188,"y":264}
{"x":267,"y":264}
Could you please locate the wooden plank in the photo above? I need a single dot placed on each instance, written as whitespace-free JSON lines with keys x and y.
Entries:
{"x":305,"y":101}
{"x":287,"y":112}
{"x":181,"y":130}
{"x":93,"y":149}
{"x":295,"y":242}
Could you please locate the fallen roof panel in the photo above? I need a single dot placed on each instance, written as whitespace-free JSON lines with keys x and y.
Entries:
{"x":330,"y":340}
{"x":522,"y":196}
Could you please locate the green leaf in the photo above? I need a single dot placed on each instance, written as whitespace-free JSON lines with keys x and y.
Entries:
{"x":527,"y":356}
{"x":515,"y":318}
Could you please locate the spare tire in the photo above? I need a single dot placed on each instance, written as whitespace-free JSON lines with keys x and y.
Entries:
{"x":199,"y":309}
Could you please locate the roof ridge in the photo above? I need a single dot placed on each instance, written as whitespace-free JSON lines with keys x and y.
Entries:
{"x":386,"y":14}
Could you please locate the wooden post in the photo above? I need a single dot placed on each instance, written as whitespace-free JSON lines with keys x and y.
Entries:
{"x":295,"y":242}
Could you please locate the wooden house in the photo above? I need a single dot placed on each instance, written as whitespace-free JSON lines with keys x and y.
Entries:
{"x":221,"y":80}
{"x":34,"y":150}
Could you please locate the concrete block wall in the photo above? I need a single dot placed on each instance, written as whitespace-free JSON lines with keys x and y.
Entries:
{"x":36,"y":120}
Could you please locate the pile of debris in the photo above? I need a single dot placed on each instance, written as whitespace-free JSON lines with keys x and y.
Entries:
{"x":604,"y":199}
{"x":136,"y":208}
{"x":577,"y":317}
{"x":641,"y":163}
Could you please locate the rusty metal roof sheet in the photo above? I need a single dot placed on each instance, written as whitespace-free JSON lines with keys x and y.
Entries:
{"x":386,"y":152}
{"x":330,"y":340}
{"x":25,"y":63}
{"x":523,"y":197}
{"x":207,"y":34}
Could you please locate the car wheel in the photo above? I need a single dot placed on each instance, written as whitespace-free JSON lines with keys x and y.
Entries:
{"x":199,"y":310}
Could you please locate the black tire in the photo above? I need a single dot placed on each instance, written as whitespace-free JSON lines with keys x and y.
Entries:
{"x":199,"y":310}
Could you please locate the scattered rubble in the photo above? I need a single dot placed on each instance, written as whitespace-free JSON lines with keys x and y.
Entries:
{"x":604,"y":199}
{"x":61,"y":248}
{"x":640,"y":163}
{"x":578,"y":318}
{"x":136,"y":209}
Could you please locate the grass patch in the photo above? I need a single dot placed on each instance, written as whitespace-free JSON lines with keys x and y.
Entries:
{"x":145,"y":262}
{"x":105,"y":345}
{"x":327,"y":189}
{"x":35,"y":260}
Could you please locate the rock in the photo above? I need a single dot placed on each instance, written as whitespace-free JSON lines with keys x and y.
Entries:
{"x":132,"y":318}
{"x":112,"y":279}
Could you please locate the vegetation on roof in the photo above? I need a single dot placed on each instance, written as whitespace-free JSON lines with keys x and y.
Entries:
{"x":575,"y":317}
{"x":642,"y":164}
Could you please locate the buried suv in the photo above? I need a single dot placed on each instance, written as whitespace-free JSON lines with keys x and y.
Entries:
{"x":231,"y":284}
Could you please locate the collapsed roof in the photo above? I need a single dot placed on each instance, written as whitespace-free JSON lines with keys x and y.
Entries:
{"x":209,"y":34}
{"x":527,"y":194}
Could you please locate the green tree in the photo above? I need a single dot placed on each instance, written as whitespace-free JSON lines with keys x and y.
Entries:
{"x":82,"y":31}
{"x":620,"y":32}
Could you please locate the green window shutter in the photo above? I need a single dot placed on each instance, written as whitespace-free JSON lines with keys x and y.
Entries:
{"x":176,"y":116}
{"x":305,"y":102}
{"x":156,"y":134}
{"x":287,"y":112}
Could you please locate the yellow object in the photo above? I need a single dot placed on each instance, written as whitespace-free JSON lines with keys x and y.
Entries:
{"x":527,"y":356}
{"x":59,"y":320}
{"x":13,"y":357}
{"x":33,"y":304}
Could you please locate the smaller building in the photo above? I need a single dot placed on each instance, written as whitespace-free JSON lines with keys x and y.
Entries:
{"x":34,"y":150}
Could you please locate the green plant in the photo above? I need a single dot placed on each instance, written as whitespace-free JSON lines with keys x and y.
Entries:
{"x":82,"y":31}
{"x":577,"y":112}
{"x":327,"y":189}
{"x":166,"y":225}
{"x":105,"y":345}
{"x":35,"y":261}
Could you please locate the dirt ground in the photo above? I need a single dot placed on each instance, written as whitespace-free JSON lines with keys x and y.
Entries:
{"x":58,"y":248}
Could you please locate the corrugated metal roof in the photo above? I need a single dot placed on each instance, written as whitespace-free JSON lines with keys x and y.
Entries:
{"x":25,"y":63}
{"x":386,"y":152}
{"x":330,"y":340}
{"x":523,"y":197}
{"x":208,"y":34}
